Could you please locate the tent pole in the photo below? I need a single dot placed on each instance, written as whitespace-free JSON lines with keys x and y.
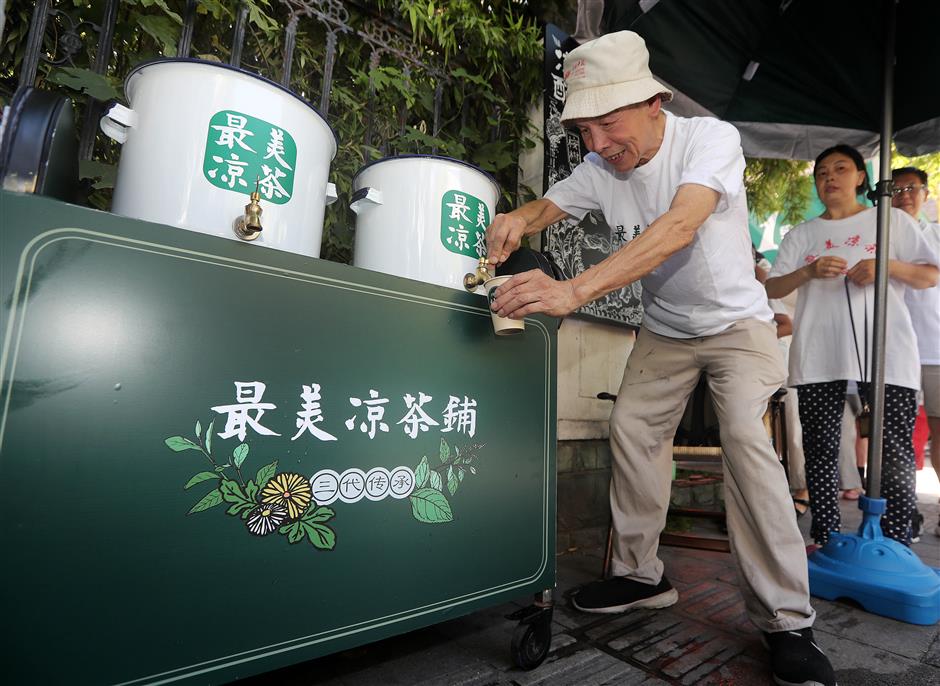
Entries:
{"x":877,"y":390}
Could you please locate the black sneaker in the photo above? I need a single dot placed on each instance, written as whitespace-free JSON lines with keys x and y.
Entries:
{"x":620,"y":594}
{"x":796,"y":660}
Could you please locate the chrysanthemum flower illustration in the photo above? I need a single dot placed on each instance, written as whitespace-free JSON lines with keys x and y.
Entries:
{"x":288,"y":490}
{"x":266,"y":518}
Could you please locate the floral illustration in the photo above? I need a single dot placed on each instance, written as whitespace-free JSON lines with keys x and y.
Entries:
{"x":289,"y":490}
{"x":266,"y":518}
{"x":269,"y":502}
{"x":283,"y":502}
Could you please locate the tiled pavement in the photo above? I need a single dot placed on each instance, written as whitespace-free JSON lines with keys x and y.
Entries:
{"x":705,"y":639}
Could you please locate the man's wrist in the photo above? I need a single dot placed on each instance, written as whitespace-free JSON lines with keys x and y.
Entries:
{"x":581,"y":290}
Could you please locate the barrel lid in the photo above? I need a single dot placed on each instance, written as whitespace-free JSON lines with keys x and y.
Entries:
{"x":229,"y":67}
{"x":429,"y":157}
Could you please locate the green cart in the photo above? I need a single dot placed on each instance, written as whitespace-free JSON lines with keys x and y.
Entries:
{"x":218,"y":459}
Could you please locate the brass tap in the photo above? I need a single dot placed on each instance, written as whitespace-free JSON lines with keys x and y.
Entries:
{"x":248,"y":226}
{"x":474,"y":279}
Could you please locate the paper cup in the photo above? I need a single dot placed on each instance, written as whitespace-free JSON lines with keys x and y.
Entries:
{"x":503,"y":326}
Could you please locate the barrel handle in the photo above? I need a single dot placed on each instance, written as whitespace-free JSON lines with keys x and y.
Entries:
{"x":117,"y":121}
{"x":331,"y":193}
{"x":364,"y":197}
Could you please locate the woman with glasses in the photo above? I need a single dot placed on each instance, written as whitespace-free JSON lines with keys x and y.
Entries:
{"x":910,"y":194}
{"x":831,"y":260}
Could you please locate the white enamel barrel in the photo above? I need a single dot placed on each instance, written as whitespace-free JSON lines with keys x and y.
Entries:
{"x":200,"y":136}
{"x":423,"y":217}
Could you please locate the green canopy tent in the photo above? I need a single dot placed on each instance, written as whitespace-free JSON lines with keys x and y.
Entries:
{"x":796,"y":76}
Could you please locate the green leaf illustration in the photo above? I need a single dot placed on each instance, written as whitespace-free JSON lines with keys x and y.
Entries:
{"x":294,"y":532}
{"x":452,"y":481}
{"x":265,"y":473}
{"x":445,"y":451}
{"x":239,"y":454}
{"x":430,"y":506}
{"x":211,"y":499}
{"x":437,"y":482}
{"x":251,"y":490}
{"x":460,"y":475}
{"x":233,"y":493}
{"x":198,"y":429}
{"x":320,"y":514}
{"x":421,"y":472}
{"x":240,"y":508}
{"x":241,"y":503}
{"x":199,"y":478}
{"x":209,"y":437}
{"x":322,"y":536}
{"x":178,"y":444}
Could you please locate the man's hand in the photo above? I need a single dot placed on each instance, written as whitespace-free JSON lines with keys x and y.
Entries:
{"x":827,"y":267}
{"x":504,"y":236}
{"x":533,"y":291}
{"x":863,"y":273}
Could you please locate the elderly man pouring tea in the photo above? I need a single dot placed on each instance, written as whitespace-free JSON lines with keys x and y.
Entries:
{"x":704,"y":312}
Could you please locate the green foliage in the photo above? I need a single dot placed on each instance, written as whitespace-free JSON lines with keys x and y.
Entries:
{"x":85,"y":82}
{"x":783,"y":185}
{"x":777,"y":186}
{"x":482,"y":60}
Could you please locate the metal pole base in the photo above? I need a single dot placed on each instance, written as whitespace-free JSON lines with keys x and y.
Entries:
{"x":883,"y":576}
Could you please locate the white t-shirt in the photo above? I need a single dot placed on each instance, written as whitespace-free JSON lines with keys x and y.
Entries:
{"x":709,"y":285}
{"x":924,"y":305}
{"x":823,"y":348}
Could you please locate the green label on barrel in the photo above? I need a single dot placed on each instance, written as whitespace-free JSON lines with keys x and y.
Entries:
{"x":464,"y":219}
{"x":243,"y":151}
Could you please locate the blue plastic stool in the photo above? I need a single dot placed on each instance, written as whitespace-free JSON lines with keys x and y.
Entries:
{"x":883,"y":576}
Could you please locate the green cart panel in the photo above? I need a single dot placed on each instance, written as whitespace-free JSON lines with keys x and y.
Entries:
{"x":217,"y":459}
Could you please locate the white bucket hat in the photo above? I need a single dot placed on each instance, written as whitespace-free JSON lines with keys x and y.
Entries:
{"x":608,"y":73}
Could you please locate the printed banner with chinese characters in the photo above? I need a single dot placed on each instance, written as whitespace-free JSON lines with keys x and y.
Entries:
{"x":243,"y":152}
{"x":464,"y":219}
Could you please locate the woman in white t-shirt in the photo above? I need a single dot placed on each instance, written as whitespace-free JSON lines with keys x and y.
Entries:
{"x":831,"y":260}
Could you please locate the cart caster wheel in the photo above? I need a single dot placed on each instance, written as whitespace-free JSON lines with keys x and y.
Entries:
{"x":530,"y":643}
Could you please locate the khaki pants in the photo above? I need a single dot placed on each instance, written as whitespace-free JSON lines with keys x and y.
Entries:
{"x":744,"y":367}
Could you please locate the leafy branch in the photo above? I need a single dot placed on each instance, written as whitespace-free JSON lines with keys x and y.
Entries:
{"x":203,"y":444}
{"x":429,"y":503}
{"x":286,"y":506}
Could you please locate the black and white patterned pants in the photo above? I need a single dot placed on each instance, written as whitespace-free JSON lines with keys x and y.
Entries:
{"x":821,"y":406}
